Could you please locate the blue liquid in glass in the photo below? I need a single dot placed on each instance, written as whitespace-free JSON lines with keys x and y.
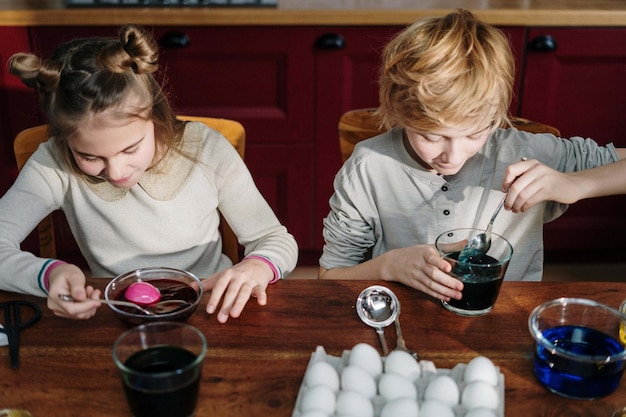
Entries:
{"x":581,"y":380}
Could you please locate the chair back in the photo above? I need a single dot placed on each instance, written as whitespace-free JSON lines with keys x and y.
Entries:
{"x":27,"y":141}
{"x":359,"y":124}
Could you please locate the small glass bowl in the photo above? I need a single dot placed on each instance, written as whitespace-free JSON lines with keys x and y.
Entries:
{"x":578,"y":353}
{"x":120,"y":283}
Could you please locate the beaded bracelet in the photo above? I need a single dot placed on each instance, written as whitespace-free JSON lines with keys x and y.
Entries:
{"x":269,"y":263}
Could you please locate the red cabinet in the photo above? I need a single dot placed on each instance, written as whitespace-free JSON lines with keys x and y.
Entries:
{"x":575,"y":79}
{"x":17,"y":103}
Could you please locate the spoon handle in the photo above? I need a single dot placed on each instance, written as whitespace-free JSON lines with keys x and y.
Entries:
{"x":493,"y":218}
{"x":383,"y":341}
{"x":66,"y":297}
{"x":495,"y":213}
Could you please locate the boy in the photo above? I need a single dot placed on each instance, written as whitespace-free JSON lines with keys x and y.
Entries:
{"x":445,"y":89}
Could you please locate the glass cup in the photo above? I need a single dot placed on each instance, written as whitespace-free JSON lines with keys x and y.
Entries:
{"x":577,"y":349}
{"x":160,"y":365}
{"x":482,"y":278}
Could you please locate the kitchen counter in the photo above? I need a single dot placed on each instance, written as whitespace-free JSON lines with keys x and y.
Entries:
{"x":321,"y":12}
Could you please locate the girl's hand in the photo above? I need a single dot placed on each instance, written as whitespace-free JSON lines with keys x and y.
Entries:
{"x":422,"y":268}
{"x":531,"y":182}
{"x":234,"y":287}
{"x":70,"y":279}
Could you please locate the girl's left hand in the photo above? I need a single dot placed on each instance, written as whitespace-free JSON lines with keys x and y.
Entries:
{"x":234,"y":287}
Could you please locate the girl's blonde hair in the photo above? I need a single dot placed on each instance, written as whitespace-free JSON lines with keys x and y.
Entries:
{"x":446,"y":72}
{"x":89,"y":75}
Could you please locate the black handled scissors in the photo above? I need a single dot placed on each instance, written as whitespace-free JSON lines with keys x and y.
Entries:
{"x":13,"y":324}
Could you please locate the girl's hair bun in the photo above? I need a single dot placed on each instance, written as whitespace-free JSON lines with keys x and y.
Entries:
{"x":136,"y":50}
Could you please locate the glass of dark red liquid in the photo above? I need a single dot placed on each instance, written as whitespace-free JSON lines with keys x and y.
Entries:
{"x":481,"y":276}
{"x":160,"y":365}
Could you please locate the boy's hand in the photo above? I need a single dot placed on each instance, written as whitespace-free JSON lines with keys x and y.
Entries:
{"x":422,"y":268}
{"x":531,"y":182}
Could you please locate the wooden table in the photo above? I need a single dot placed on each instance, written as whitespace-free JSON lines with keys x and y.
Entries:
{"x":255,"y":364}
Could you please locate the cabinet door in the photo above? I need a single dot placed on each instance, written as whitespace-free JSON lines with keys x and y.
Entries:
{"x":260,"y":76}
{"x":347,"y":66}
{"x":18,"y":104}
{"x":18,"y":110}
{"x":575,"y":79}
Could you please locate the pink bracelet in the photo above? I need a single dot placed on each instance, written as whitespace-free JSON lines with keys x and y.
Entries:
{"x":269,"y":263}
{"x":46,"y":275}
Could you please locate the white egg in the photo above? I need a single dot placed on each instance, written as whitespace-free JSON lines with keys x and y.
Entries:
{"x":354,"y":378}
{"x":444,"y":389}
{"x":366,"y":357}
{"x":400,"y":407}
{"x":322,"y":373}
{"x":318,"y":397}
{"x":434,"y":408}
{"x":402,"y":363}
{"x":480,"y":394}
{"x":392,"y":386}
{"x":481,"y":369}
{"x":351,"y":403}
{"x":480,"y":412}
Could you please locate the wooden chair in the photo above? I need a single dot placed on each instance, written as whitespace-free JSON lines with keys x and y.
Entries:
{"x":27,"y":141}
{"x":359,"y":124}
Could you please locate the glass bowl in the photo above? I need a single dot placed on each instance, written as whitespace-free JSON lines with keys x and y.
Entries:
{"x":173,"y":284}
{"x":578,"y":353}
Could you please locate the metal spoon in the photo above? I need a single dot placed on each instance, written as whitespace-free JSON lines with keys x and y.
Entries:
{"x":67,"y":297}
{"x":480,"y":244}
{"x":400,"y":344}
{"x":378,"y":307}
{"x":162,"y":307}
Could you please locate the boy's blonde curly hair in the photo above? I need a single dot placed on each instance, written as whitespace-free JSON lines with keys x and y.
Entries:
{"x":446,"y":72}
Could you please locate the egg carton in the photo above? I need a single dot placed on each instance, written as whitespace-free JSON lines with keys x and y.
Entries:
{"x":428,"y":373}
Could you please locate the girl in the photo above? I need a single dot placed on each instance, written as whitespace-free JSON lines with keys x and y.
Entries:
{"x":138,"y":187}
